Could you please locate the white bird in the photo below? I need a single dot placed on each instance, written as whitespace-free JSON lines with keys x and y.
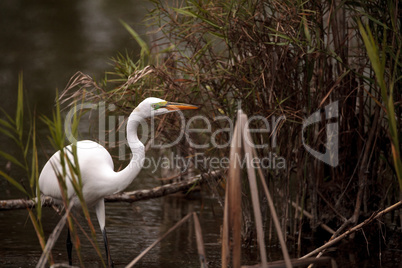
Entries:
{"x":96,"y":167}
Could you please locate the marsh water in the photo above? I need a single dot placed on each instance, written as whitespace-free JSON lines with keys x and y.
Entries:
{"x":48,"y":41}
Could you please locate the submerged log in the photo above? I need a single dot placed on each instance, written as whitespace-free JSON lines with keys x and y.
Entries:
{"x":130,"y":197}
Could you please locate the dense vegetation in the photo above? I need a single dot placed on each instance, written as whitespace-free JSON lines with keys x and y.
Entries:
{"x":292,"y":58}
{"x":289,"y":59}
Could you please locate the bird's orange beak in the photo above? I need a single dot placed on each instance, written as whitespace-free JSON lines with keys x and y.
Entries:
{"x":173,"y":106}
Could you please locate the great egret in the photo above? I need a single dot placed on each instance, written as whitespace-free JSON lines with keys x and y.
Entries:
{"x":96,"y":167}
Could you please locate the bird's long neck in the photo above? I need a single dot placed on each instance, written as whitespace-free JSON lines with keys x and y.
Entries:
{"x":127,"y":175}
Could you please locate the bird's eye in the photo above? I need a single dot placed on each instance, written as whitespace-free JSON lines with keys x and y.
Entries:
{"x":158,"y":105}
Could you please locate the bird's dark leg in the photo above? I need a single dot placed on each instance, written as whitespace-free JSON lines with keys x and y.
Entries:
{"x":69,"y":245}
{"x":108,"y":257}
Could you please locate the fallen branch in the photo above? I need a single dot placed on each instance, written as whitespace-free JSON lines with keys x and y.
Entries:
{"x":354,"y":229}
{"x":157,"y":191}
{"x":19,"y":204}
{"x":130,"y":197}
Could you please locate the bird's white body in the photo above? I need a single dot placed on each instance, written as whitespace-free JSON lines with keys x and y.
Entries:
{"x":96,"y":167}
{"x":98,"y":176}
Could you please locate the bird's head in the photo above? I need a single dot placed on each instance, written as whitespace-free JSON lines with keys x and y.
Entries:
{"x":155,"y":106}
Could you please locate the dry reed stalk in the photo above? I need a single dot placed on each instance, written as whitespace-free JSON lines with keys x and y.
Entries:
{"x":248,"y":153}
{"x":241,"y":136}
{"x":225,"y":231}
{"x":53,"y":238}
{"x":274,"y":216}
{"x":235,"y":192}
{"x":200,"y":242}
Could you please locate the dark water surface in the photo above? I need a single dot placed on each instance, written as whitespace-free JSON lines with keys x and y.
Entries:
{"x":51,"y":40}
{"x":131,"y":229}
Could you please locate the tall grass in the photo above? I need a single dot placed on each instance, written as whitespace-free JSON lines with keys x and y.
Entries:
{"x":292,"y":59}
{"x":387,"y":76}
{"x":15,"y":130}
{"x":25,"y":140}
